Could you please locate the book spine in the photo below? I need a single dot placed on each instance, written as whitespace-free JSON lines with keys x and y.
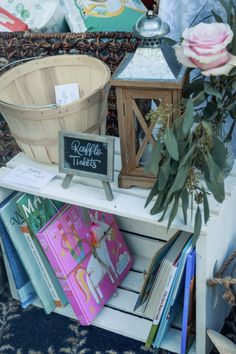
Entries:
{"x":22,"y":282}
{"x":34,"y":209}
{"x":164,"y":296}
{"x":156,"y":320}
{"x":28,"y":262}
{"x":38,"y":257}
{"x":73,"y":300}
{"x":188,"y":296}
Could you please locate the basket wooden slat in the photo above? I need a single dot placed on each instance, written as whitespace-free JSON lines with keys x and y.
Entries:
{"x":27,"y":95}
{"x":110,"y":47}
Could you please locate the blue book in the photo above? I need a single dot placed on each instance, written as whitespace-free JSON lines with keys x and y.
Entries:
{"x":14,"y":222}
{"x":23,"y":284}
{"x":188,"y":300}
{"x":172,"y":304}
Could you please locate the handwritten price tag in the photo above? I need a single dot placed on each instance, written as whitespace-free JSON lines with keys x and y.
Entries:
{"x":28,"y":176}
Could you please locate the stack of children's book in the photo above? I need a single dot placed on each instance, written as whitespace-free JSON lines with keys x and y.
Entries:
{"x":168,"y":289}
{"x":62,"y":253}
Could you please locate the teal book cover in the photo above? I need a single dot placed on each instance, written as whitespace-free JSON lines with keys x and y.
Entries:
{"x":37,"y":211}
{"x":14,"y":222}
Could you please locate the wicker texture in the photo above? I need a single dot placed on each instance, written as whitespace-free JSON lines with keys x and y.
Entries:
{"x":110,"y":47}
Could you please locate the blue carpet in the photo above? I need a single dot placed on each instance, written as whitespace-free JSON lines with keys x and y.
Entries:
{"x":31,"y":331}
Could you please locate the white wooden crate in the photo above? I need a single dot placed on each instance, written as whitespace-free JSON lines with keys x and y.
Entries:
{"x":144,"y":235}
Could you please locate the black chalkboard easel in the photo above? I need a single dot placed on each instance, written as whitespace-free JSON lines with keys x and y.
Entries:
{"x":87,"y":155}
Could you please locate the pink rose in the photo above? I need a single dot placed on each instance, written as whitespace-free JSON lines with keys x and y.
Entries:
{"x":205,"y":47}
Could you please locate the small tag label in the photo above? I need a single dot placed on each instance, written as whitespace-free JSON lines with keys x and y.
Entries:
{"x":66,"y":93}
{"x":28,"y":176}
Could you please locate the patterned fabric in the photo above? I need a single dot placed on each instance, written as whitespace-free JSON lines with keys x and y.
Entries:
{"x":31,"y":331}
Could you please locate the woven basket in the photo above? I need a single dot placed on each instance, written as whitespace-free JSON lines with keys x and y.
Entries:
{"x":27,"y":101}
{"x":110,"y":47}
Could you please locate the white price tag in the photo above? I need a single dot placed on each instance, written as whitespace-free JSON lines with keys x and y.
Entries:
{"x":67,"y":93}
{"x":28,"y":176}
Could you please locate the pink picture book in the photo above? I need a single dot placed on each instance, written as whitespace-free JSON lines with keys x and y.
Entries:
{"x":89,"y":257}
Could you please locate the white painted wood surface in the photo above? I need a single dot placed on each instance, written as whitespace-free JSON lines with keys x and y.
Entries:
{"x":144,"y":235}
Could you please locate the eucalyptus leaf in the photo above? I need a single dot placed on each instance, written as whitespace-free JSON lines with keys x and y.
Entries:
{"x":174,"y":210}
{"x":217,"y":17}
{"x":232,"y":72}
{"x":185,"y":203}
{"x":171,"y":143}
{"x":168,"y":202}
{"x":195,"y":87}
{"x":179,"y":180}
{"x":217,"y":188}
{"x":159,"y":204}
{"x":230,"y":132}
{"x":155,"y":158}
{"x":188,"y":155}
{"x":188,"y":117}
{"x":199,"y":99}
{"x":197,"y":224}
{"x":209,"y":164}
{"x":219,"y":151}
{"x":163,"y":175}
{"x":205,"y":206}
{"x":154,"y":191}
{"x":212,"y":91}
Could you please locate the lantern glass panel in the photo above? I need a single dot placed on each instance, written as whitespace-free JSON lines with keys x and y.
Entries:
{"x":146,"y":130}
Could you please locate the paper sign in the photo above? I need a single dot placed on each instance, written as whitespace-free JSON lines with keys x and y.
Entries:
{"x":28,"y":176}
{"x":67,"y":93}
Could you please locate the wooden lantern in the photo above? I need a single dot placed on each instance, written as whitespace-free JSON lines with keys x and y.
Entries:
{"x":147,"y":79}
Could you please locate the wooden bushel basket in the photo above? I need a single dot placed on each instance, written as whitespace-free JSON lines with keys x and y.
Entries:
{"x":27,"y":101}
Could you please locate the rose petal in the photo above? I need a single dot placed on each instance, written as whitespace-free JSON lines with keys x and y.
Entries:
{"x":205,"y":59}
{"x":221,"y":70}
{"x":185,"y":61}
{"x":206,"y":48}
{"x":209,"y":33}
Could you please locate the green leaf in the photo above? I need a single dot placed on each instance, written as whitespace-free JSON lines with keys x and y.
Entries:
{"x":216,"y":187}
{"x":185,"y":202}
{"x":159,"y":204}
{"x":230,"y":132}
{"x":187,"y":156}
{"x":154,"y":191}
{"x":209,"y":164}
{"x":195,"y":87}
{"x":155,"y":158}
{"x":171,"y":143}
{"x":173,"y":210}
{"x":212,"y":91}
{"x":219,"y":151}
{"x":232,"y":72}
{"x":217,"y":17}
{"x":179,"y":180}
{"x":234,"y":83}
{"x":188,"y":117}
{"x":199,"y":99}
{"x":197,"y":224}
{"x":163,"y":175}
{"x":205,"y":206}
{"x":210,"y":111}
{"x":168,"y":201}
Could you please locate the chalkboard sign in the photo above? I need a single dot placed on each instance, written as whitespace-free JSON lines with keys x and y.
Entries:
{"x":86,"y":155}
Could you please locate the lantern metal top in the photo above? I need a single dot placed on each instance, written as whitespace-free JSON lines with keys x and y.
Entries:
{"x":154,"y":60}
{"x":150,"y":26}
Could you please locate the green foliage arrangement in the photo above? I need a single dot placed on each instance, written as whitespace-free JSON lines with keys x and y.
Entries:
{"x":189,"y":156}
